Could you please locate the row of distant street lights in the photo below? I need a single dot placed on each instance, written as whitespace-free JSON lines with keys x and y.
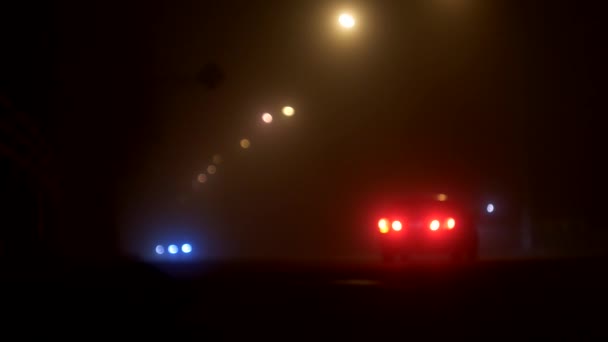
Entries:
{"x":244,"y":143}
{"x":347,"y":22}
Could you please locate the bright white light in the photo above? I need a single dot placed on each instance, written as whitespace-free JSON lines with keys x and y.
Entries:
{"x":346,"y":20}
{"x":434,"y":225}
{"x":160,"y":250}
{"x":173,"y":249}
{"x":490,"y":208}
{"x":288,"y":111}
{"x":186,"y":248}
{"x":397,"y":226}
{"x":267,"y":117}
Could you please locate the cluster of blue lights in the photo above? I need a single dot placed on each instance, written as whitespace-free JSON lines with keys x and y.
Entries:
{"x":173,"y":249}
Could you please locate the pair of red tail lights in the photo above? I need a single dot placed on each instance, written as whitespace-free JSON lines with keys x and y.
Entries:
{"x":384,"y":225}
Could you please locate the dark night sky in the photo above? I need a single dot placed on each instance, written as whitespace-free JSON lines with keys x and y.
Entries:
{"x":500,"y":97}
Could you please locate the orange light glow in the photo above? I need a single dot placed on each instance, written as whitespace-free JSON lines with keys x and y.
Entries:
{"x":451,"y":223}
{"x":245,"y":143}
{"x":434,"y":225}
{"x":397,"y":226}
{"x":383,"y":226}
{"x":211,"y":169}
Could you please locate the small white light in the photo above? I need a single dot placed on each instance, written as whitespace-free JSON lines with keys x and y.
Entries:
{"x":186,"y":248}
{"x":160,"y":250}
{"x":490,"y":208}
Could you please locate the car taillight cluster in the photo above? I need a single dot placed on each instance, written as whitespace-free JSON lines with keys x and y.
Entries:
{"x":384,"y":225}
{"x":449,"y":224}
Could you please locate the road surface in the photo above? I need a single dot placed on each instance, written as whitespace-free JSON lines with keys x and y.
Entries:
{"x":527,"y":299}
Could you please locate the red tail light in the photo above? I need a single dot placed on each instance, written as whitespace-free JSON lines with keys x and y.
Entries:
{"x":383,"y":226}
{"x":434,"y":225}
{"x":397,"y":226}
{"x":451,"y":223}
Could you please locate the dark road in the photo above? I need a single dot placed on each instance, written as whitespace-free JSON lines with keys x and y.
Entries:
{"x":490,"y":300}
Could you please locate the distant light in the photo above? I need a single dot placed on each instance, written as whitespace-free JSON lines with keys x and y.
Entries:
{"x":173,"y":249}
{"x":211,"y":169}
{"x":397,"y":226}
{"x":201,"y":178}
{"x":451,"y":223}
{"x":490,"y":208}
{"x":186,"y":248}
{"x":288,"y":111}
{"x":383,"y":226}
{"x":160,"y":250}
{"x":267,"y":117}
{"x":434,"y":225}
{"x":217,"y":159}
{"x":346,"y":20}
{"x":442,"y":197}
{"x":245,"y":143}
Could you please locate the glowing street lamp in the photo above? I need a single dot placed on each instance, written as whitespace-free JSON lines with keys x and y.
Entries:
{"x":346,"y":20}
{"x":267,"y":118}
{"x":490,"y":208}
{"x":288,"y":111}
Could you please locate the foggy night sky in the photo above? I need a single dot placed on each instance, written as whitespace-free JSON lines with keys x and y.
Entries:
{"x":499,"y":96}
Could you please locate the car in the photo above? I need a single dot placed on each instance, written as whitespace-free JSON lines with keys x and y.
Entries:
{"x":423,"y":224}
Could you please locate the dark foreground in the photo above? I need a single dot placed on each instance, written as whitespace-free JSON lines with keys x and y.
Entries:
{"x":523,"y":299}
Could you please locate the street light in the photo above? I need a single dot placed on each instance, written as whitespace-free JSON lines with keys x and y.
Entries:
{"x":245,"y":143}
{"x":288,"y":111}
{"x":346,"y":20}
{"x":267,"y":118}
